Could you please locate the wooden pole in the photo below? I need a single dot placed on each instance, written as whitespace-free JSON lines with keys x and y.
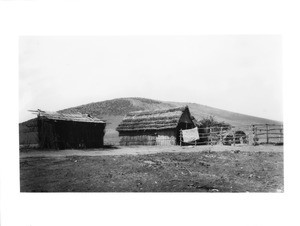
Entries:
{"x":221,"y":136}
{"x":267,"y":133}
{"x":210,"y":132}
{"x":253,"y":133}
{"x":256,"y":136}
{"x":205,"y":135}
{"x":198,"y":133}
{"x":281,"y":134}
{"x":180,"y":136}
{"x":233,"y":138}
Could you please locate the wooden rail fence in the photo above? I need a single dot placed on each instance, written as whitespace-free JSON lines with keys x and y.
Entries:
{"x":248,"y":134}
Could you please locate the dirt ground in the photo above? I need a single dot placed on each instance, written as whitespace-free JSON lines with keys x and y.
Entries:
{"x":154,"y":169}
{"x":141,"y":150}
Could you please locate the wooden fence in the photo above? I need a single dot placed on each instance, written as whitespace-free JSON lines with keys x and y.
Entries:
{"x":268,"y":133}
{"x":248,"y":134}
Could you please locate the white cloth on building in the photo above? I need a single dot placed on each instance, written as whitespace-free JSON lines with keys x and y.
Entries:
{"x":190,"y":135}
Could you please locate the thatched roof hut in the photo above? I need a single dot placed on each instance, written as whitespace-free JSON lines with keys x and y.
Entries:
{"x":69,"y":117}
{"x":60,"y":130}
{"x":154,"y":127}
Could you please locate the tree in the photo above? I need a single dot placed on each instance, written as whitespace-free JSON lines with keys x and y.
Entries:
{"x":205,"y":132}
{"x":210,"y":122}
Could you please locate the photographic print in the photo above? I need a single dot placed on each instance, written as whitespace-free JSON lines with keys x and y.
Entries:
{"x":151,"y":114}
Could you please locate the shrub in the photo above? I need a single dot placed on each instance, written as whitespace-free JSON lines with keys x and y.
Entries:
{"x":210,"y":122}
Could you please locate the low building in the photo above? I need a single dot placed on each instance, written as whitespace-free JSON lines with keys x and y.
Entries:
{"x":61,"y":131}
{"x":158,"y":127}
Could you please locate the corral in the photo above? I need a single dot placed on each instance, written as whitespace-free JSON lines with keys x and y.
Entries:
{"x":247,"y":134}
{"x":158,"y":127}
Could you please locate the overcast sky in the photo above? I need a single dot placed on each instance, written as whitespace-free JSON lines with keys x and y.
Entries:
{"x":237,"y":73}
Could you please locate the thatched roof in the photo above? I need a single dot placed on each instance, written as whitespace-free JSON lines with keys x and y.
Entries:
{"x":68,"y":117}
{"x":152,"y":120}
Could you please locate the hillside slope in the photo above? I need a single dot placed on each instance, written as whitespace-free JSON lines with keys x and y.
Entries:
{"x":113,"y":111}
{"x":199,"y":111}
{"x":120,"y":107}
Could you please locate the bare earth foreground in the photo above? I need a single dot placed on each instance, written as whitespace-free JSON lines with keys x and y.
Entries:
{"x":154,"y":169}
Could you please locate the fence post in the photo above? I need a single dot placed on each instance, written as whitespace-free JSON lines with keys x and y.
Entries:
{"x":221,"y":136}
{"x":267,"y":133}
{"x":180,"y":136}
{"x":210,"y":133}
{"x":281,"y":134}
{"x":233,"y":137}
{"x":254,"y":129}
{"x":198,"y":134}
{"x":252,"y":135}
{"x":206,"y":136}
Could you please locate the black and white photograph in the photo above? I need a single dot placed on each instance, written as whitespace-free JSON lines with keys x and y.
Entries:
{"x":151,"y":114}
